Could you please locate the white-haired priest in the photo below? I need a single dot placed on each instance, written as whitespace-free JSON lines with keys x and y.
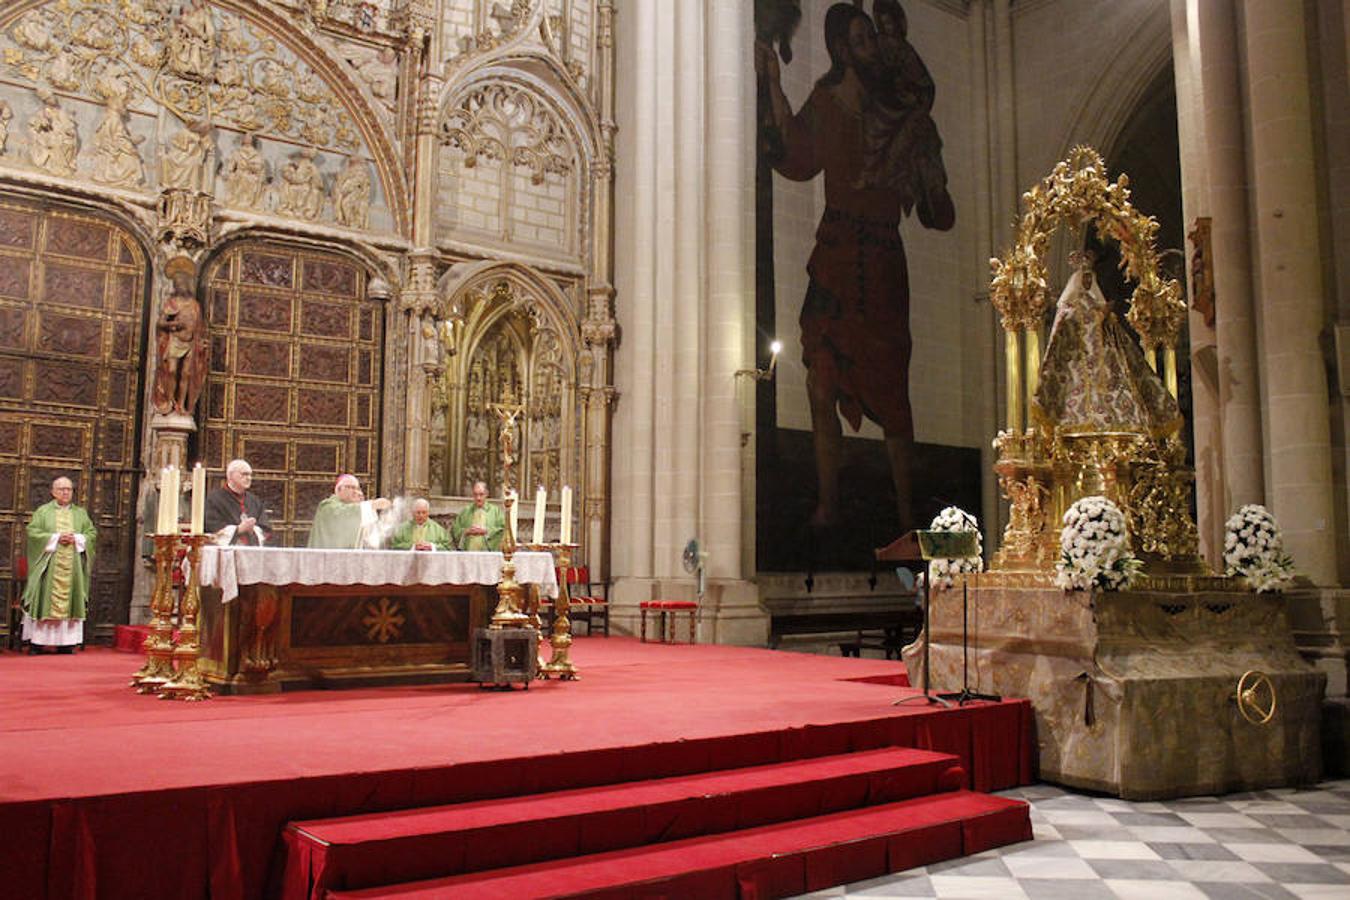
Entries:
{"x":60,"y":565}
{"x":234,"y":512}
{"x":345,"y":520}
{"x":422,"y":533}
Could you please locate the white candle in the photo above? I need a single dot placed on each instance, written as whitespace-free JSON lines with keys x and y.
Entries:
{"x":565,"y":530}
{"x":540,"y":501}
{"x":162,"y":507}
{"x":198,"y":499}
{"x":515,"y":515}
{"x":174,"y":486}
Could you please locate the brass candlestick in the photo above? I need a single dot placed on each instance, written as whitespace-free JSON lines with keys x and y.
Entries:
{"x":158,"y":668}
{"x":507,"y":613}
{"x":189,"y":684}
{"x":561,"y":639}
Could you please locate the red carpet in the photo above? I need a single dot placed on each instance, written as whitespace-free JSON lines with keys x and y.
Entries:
{"x":112,"y":794}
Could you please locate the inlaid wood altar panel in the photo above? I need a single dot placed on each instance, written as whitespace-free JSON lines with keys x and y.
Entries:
{"x":72,"y":318}
{"x":294,"y":385}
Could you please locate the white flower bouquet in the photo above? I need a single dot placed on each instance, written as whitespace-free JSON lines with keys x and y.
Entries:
{"x":1095,"y":548}
{"x":1253,"y":548}
{"x":942,"y":572}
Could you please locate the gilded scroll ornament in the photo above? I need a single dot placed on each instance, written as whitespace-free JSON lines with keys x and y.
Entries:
{"x":198,"y":63}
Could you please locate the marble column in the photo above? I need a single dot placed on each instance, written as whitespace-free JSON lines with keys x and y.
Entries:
{"x":1292,"y":305}
{"x":684,"y":280}
{"x":1207,"y":424}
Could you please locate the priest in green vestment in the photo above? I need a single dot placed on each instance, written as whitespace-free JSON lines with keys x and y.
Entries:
{"x":61,"y":541}
{"x":347,"y":520}
{"x":422,"y":533}
{"x":479,"y":526}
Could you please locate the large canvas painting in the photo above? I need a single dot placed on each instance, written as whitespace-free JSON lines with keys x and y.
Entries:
{"x":850,"y":162}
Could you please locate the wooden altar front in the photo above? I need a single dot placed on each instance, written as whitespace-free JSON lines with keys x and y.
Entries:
{"x":288,"y":619}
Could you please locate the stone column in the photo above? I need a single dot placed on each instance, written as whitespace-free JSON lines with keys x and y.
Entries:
{"x":1243,"y":477}
{"x":984,"y":248}
{"x":685,"y":301}
{"x":1207,"y":426}
{"x":1288,"y":245}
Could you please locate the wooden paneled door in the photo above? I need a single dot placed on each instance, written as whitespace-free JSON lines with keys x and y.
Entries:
{"x":294,"y":385}
{"x":72,"y":325}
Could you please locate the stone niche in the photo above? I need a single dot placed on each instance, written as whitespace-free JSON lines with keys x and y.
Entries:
{"x":1135,"y":692}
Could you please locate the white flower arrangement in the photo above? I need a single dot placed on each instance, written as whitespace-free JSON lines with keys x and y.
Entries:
{"x":1254,"y":549}
{"x":1095,"y":548}
{"x":942,"y":572}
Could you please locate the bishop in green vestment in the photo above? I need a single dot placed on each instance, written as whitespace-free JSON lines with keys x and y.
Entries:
{"x":61,"y":541}
{"x":344,"y":520}
{"x":479,"y":526}
{"x":422,"y":533}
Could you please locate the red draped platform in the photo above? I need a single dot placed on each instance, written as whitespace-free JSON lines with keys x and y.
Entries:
{"x":109,"y":794}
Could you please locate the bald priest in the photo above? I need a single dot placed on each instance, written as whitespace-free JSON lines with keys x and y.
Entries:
{"x":60,"y":562}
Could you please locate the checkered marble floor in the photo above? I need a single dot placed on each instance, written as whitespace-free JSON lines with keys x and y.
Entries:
{"x":1263,"y":844}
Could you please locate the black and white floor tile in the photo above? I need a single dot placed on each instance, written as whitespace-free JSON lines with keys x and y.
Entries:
{"x":1263,"y":845}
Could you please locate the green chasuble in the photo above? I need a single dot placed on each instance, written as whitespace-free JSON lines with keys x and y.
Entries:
{"x":490,"y":516}
{"x":337,"y":525}
{"x":58,"y":582}
{"x":410,"y":534}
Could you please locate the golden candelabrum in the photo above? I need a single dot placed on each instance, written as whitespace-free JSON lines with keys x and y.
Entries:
{"x":508,"y":612}
{"x":1042,"y":469}
{"x":560,"y":664}
{"x":158,"y":668}
{"x":189,"y":684}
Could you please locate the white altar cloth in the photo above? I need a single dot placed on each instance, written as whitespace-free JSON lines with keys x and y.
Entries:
{"x":229,"y":567}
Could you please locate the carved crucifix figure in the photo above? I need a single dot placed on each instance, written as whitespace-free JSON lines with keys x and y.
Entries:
{"x":508,"y":412}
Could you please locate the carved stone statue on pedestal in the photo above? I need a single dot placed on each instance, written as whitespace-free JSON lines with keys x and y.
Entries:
{"x":181,"y":341}
{"x":351,"y":194}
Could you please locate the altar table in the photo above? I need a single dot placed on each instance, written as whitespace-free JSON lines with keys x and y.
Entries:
{"x":283,"y":618}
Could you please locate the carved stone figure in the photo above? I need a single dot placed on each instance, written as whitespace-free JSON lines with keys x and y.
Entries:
{"x":6,"y":115}
{"x":117,"y":151}
{"x":180,"y":335}
{"x":183,"y":161}
{"x":191,"y":43}
{"x":351,"y":194}
{"x":379,"y":71}
{"x":53,"y":140}
{"x":301,"y":186}
{"x":245,"y":175}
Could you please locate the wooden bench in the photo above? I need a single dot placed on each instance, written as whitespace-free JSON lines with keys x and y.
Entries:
{"x":896,"y":627}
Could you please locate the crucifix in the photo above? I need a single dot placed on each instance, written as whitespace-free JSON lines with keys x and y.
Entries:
{"x":508,"y":412}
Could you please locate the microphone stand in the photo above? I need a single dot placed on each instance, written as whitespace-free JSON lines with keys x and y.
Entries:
{"x":921,"y":584}
{"x":965,"y":695}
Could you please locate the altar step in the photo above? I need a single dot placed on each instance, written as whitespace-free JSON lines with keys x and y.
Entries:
{"x":780,"y":860}
{"x":786,"y":827}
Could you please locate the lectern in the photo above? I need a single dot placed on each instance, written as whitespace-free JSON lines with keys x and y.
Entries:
{"x":922,"y":546}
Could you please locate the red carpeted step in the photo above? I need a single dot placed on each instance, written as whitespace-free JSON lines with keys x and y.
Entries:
{"x":414,"y":844}
{"x":769,"y":861}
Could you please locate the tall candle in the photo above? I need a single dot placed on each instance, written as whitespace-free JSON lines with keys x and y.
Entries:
{"x":162,"y":507}
{"x":565,"y":532}
{"x":174,"y":486}
{"x":198,"y":499}
{"x":540,"y":501}
{"x":515,"y":515}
